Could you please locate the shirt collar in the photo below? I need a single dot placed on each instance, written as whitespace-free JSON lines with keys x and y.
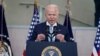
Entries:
{"x":48,"y":24}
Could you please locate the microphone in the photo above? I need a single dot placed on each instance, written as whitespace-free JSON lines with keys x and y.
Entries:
{"x":51,"y":34}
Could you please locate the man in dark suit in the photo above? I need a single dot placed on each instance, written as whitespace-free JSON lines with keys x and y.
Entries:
{"x":50,"y":30}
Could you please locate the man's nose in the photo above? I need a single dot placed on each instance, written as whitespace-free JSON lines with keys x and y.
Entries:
{"x":51,"y":16}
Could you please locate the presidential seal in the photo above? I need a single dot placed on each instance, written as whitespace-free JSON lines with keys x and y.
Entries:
{"x":51,"y":51}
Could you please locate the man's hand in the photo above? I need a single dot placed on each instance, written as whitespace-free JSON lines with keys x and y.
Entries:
{"x":40,"y":37}
{"x":60,"y":37}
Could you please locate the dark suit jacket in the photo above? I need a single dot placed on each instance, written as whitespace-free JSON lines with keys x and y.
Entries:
{"x":43,"y":28}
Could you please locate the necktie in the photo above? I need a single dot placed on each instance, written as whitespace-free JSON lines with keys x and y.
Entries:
{"x":51,"y":29}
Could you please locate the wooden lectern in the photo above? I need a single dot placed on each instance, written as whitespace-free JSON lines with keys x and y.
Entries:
{"x":51,"y":49}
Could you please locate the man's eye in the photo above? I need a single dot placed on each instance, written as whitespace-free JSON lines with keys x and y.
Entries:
{"x":51,"y":14}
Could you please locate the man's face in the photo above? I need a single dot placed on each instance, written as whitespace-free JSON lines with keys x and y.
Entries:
{"x":51,"y":15}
